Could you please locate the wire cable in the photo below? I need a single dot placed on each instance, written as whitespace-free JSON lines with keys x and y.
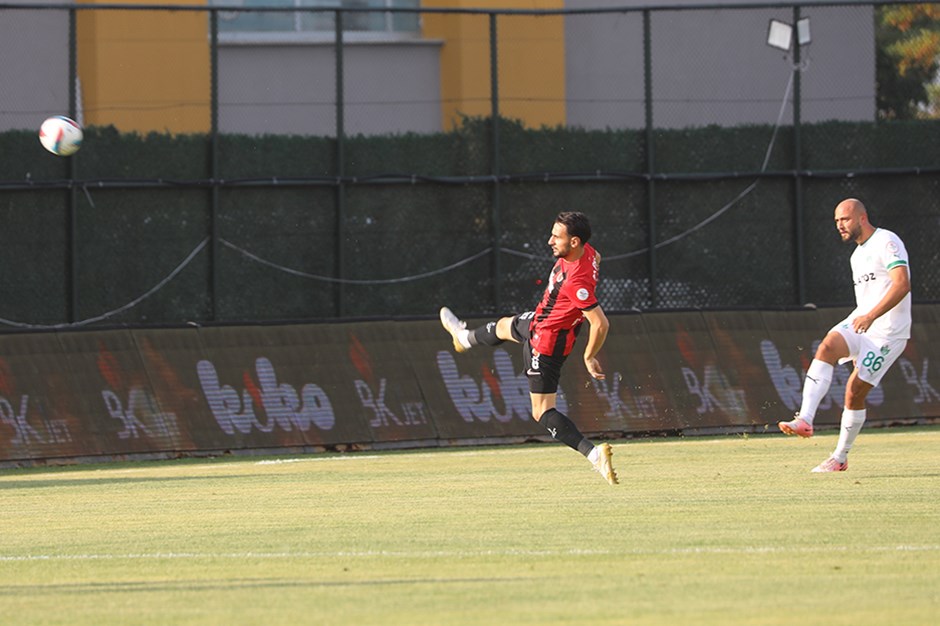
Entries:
{"x":121,"y":309}
{"x":736,"y":199}
{"x":354,"y":281}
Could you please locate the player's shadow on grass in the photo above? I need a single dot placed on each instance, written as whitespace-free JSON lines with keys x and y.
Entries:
{"x":216,"y":585}
{"x":83,"y":482}
{"x":899,"y":476}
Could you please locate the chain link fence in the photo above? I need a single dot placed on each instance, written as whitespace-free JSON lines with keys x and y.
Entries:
{"x":266,"y":161}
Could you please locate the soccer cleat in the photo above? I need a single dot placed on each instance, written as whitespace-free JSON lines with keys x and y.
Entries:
{"x":453,"y":325}
{"x":797,"y":426}
{"x":603,"y":466}
{"x":831,"y":465}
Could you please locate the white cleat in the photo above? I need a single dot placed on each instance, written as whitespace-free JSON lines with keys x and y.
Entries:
{"x":453,"y":325}
{"x":603,"y":466}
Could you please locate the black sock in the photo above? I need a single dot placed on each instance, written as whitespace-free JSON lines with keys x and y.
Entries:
{"x":485,"y":334}
{"x":563,"y":429}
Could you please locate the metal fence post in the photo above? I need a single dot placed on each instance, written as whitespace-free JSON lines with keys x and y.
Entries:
{"x":797,"y":168}
{"x":214,"y":163}
{"x":650,"y":155}
{"x":495,"y":168}
{"x":339,"y":290}
{"x":72,"y":167}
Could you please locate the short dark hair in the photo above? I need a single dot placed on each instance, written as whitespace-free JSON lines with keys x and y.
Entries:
{"x":577,"y":224}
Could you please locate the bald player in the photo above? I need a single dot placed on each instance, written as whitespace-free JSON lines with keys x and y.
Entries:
{"x":873,"y":336}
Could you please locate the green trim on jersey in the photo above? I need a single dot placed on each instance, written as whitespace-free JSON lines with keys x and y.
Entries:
{"x":897,"y":263}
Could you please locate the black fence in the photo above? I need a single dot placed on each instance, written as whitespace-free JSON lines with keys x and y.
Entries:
{"x":283,"y":163}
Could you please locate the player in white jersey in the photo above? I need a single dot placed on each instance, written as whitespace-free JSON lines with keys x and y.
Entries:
{"x":873,"y":335}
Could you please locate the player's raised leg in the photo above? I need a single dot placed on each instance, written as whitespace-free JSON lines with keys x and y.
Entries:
{"x":489,"y":334}
{"x":815,"y":387}
{"x":816,"y":384}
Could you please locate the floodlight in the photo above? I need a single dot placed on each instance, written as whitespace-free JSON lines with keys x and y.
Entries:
{"x":780,"y":34}
{"x":802,"y":31}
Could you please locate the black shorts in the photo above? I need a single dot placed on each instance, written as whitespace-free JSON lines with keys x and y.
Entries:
{"x":542,"y":370}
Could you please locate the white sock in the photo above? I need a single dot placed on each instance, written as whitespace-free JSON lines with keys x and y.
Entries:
{"x":851,"y":425}
{"x":593,"y":454}
{"x":815,"y":387}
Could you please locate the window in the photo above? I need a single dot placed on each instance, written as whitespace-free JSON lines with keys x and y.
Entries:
{"x":377,"y":21}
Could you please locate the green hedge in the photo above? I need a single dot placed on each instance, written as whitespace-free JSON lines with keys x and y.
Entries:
{"x":467,"y":151}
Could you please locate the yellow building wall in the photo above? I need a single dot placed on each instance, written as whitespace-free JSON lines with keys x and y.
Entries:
{"x":145,"y":70}
{"x":531,"y":53}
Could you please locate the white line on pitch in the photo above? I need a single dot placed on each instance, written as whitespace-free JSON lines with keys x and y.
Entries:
{"x":461,"y":553}
{"x":317,"y":458}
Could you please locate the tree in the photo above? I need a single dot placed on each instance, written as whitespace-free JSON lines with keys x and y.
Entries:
{"x":908,"y":49}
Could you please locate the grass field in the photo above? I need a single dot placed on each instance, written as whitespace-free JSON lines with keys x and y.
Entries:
{"x":724,"y":530}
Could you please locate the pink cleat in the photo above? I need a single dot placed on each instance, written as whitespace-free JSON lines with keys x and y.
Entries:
{"x":831,"y":465}
{"x":797,"y":426}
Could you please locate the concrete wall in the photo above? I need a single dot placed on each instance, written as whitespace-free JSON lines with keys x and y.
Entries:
{"x":34,"y":71}
{"x":290,"y":88}
{"x":715,"y":67}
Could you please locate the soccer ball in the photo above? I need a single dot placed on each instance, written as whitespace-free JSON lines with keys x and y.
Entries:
{"x":60,"y":135}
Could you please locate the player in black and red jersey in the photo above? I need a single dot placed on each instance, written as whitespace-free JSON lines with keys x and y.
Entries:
{"x":548,"y":333}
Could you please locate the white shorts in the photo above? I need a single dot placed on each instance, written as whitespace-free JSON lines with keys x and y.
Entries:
{"x":873,"y":356}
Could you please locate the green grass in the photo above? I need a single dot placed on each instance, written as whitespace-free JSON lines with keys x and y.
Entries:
{"x":724,"y":530}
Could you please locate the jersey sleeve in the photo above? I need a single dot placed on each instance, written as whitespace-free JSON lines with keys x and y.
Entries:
{"x":584,"y":284}
{"x":582,"y":294}
{"x":894,"y":253}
